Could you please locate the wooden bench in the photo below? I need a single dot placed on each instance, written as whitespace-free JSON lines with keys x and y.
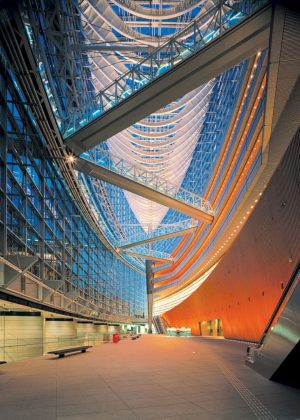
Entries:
{"x":2,"y":362}
{"x":61,"y":353}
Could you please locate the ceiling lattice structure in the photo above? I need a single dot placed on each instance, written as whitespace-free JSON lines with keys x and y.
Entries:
{"x":85,"y":49}
{"x":164,"y":142}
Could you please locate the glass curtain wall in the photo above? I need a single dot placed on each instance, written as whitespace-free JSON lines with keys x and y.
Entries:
{"x":39,"y":217}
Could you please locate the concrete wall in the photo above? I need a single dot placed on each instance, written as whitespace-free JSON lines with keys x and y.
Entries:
{"x":248,"y":282}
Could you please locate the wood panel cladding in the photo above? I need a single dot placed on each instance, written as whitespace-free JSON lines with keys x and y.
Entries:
{"x":246,"y":285}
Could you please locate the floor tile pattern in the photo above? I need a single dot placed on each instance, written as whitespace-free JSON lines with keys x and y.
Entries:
{"x":155,"y":377}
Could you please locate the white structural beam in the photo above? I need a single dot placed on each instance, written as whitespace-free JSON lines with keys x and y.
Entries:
{"x":181,"y":201}
{"x":157,"y":238}
{"x":149,"y":254}
{"x":235,"y":45}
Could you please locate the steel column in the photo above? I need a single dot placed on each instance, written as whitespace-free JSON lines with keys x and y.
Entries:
{"x":149,"y":280}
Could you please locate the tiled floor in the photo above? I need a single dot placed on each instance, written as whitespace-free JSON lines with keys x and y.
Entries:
{"x":154,"y":377}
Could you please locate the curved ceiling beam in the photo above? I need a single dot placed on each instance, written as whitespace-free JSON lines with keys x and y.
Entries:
{"x":189,"y":106}
{"x":158,"y":14}
{"x":106,"y":13}
{"x":223,"y":53}
{"x":157,"y":156}
{"x":110,"y":47}
{"x":176,"y":129}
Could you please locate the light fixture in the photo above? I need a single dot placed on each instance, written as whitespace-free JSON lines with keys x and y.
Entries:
{"x":71,"y":158}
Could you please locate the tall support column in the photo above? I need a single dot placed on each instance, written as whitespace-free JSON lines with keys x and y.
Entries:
{"x":149,"y":279}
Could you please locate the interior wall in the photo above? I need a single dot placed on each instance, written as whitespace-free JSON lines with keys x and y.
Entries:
{"x":101,"y":329}
{"x":114,"y":329}
{"x":85,"y":328}
{"x":244,"y":288}
{"x":2,"y":337}
{"x":60,"y":329}
{"x":21,"y":336}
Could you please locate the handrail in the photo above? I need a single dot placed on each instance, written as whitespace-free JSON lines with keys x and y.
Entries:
{"x":133,"y":171}
{"x":161,"y":230}
{"x":208,"y":27}
{"x":190,"y":29}
{"x":286,"y":293}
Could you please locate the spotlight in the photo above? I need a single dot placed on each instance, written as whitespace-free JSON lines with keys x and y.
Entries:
{"x":71,"y":158}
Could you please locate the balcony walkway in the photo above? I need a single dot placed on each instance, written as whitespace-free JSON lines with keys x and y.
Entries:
{"x":137,"y":180}
{"x":162,"y":232}
{"x":217,"y":45}
{"x":155,"y":377}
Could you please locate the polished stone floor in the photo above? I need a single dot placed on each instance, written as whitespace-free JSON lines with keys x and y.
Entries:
{"x":155,"y":377}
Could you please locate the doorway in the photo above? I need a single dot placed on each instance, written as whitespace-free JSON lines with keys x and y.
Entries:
{"x":211,"y":328}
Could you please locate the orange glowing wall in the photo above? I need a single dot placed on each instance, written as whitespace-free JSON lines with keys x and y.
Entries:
{"x":246,"y":285}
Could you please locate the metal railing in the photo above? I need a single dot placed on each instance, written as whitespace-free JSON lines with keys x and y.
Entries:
{"x":148,"y":179}
{"x":161,"y":230}
{"x":209,"y":26}
{"x":148,"y":253}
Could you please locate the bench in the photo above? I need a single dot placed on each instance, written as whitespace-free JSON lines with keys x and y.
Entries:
{"x":61,"y":353}
{"x":135,"y":336}
{"x":2,"y":362}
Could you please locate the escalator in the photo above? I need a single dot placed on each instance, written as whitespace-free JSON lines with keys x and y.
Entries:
{"x":277,"y":354}
{"x":159,"y":325}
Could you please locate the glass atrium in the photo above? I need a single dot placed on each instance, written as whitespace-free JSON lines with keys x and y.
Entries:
{"x":148,"y":166}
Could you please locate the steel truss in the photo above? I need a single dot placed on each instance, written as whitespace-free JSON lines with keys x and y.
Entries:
{"x":208,"y":27}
